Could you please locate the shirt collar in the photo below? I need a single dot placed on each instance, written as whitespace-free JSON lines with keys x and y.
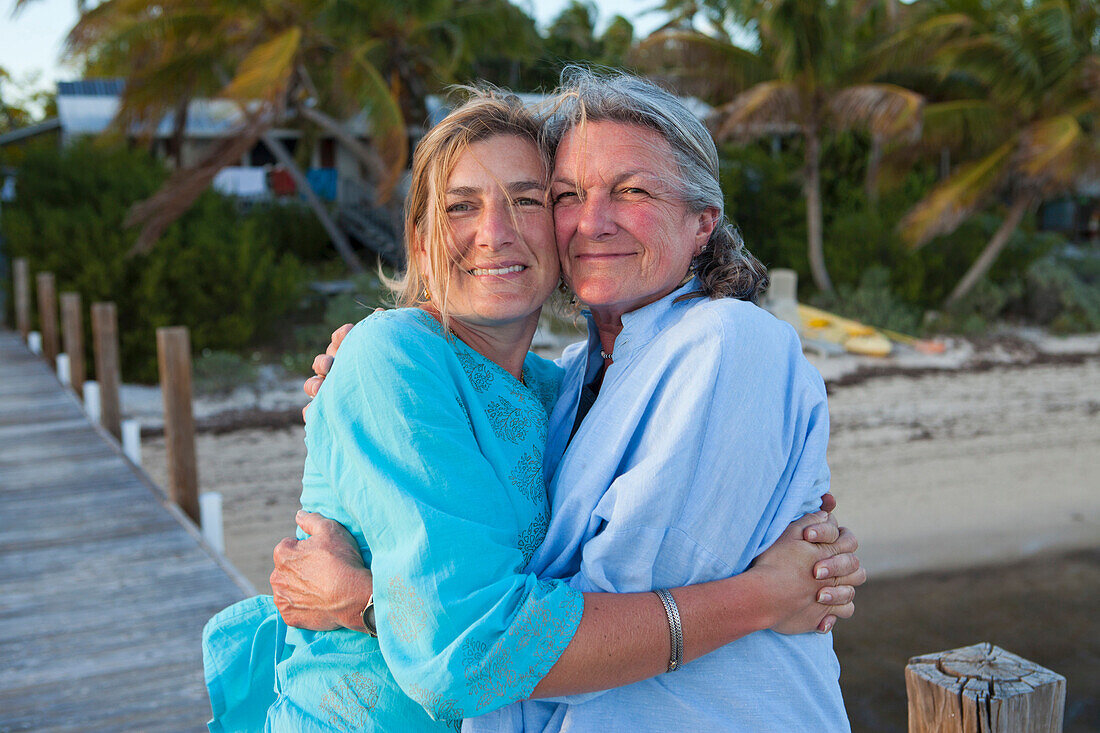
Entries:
{"x":641,"y":325}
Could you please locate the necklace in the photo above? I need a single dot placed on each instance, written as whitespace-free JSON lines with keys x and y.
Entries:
{"x":606,"y":356}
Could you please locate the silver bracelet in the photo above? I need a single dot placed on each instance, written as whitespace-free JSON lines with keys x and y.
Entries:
{"x":675,"y":630}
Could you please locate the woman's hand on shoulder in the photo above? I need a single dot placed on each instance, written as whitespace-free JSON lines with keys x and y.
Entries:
{"x":813,"y":583}
{"x":322,"y":363}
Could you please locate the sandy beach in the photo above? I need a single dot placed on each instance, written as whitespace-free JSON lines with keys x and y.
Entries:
{"x":972,"y":480}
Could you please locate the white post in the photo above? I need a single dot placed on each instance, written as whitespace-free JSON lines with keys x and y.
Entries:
{"x":34,"y":342}
{"x":91,"y":400}
{"x":63,"y":374}
{"x":131,"y":440}
{"x":210,"y":511}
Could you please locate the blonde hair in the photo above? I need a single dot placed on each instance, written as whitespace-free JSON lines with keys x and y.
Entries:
{"x":486,"y":113}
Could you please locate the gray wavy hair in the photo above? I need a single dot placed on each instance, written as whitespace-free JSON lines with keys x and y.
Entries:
{"x":725,"y":267}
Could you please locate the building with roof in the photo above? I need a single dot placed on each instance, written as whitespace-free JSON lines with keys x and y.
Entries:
{"x":88,"y":108}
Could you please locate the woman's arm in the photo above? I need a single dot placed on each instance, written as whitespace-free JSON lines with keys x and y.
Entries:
{"x":321,"y":583}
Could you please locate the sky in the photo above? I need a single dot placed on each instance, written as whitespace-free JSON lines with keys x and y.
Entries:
{"x":31,"y":42}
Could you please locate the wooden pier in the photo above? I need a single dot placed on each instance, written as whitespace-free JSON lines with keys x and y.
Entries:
{"x":104,"y":584}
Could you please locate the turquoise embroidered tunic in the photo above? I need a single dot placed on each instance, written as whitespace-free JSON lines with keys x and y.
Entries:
{"x":431,"y":456}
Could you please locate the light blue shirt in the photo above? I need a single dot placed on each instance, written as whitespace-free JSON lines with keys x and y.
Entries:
{"x":708,"y":438}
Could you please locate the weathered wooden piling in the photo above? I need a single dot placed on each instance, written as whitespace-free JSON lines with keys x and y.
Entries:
{"x":174,"y":360}
{"x":47,"y":316}
{"x":72,"y":339}
{"x":21,"y":288}
{"x":983,"y":689}
{"x":107,"y":370}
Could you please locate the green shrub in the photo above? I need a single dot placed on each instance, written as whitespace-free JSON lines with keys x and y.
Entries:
{"x":221,"y":371}
{"x":1063,"y":291}
{"x":212,"y":271}
{"x":873,"y":302}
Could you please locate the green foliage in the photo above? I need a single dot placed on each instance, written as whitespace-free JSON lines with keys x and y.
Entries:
{"x":368,"y":292}
{"x":290,"y":227}
{"x":214,"y":271}
{"x":1063,"y":291}
{"x":764,"y":200}
{"x":878,"y":278}
{"x":874,"y":302}
{"x":221,"y":371}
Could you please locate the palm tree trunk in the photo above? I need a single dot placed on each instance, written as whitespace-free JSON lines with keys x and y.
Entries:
{"x":811,"y":189}
{"x":985,"y":260}
{"x":874,"y":162}
{"x":179,"y":127}
{"x":339,"y":239}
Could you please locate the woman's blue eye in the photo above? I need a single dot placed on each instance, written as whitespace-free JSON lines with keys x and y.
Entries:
{"x":458,"y":208}
{"x":527,"y":201}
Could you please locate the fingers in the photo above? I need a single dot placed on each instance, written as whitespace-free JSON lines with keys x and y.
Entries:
{"x":825,"y":532}
{"x":285,"y":546}
{"x":836,"y":567}
{"x":855,"y":579}
{"x":304,"y":412}
{"x":837,"y":596}
{"x":844,"y":611}
{"x":826,"y":624}
{"x":828,"y":503}
{"x":322,"y":363}
{"x":339,"y":334}
{"x":312,"y":385}
{"x":310,"y":522}
{"x":799,"y":525}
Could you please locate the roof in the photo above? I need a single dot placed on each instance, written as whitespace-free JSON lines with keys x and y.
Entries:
{"x":91,"y":88}
{"x":29,"y":131}
{"x":87,"y":108}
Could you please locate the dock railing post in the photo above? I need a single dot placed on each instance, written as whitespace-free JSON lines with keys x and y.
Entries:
{"x":72,"y":338}
{"x":47,"y":316}
{"x":983,"y":688}
{"x":21,"y":288}
{"x":107,"y":370}
{"x":174,"y":360}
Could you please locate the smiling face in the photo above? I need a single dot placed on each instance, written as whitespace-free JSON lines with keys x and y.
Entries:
{"x":498,"y":233}
{"x":625,"y":237}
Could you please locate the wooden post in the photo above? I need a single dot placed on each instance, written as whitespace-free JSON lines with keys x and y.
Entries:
{"x":47,"y":317}
{"x":22,"y":287}
{"x":72,"y":338}
{"x":107,"y":371}
{"x":983,"y":689}
{"x":174,"y":360}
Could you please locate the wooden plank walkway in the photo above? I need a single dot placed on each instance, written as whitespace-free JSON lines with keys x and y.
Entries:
{"x":104,"y":585}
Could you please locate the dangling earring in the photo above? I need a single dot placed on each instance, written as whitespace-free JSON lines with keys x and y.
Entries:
{"x":426,"y":296}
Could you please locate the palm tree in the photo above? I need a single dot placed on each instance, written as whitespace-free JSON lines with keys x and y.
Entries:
{"x":1034,"y":125}
{"x":296,"y":62}
{"x":808,"y":76}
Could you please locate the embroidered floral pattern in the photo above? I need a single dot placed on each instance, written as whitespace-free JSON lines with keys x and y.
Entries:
{"x":491,"y":673}
{"x":478,"y":372}
{"x":407,"y":616}
{"x":531,"y":538}
{"x":508,"y":421}
{"x":439,"y":707}
{"x":526,"y":477}
{"x":348,"y":703}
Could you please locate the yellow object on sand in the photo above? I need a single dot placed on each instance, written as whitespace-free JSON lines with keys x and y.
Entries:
{"x":855,"y":337}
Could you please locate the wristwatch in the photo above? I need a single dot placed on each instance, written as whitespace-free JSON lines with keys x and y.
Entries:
{"x":368,"y":617}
